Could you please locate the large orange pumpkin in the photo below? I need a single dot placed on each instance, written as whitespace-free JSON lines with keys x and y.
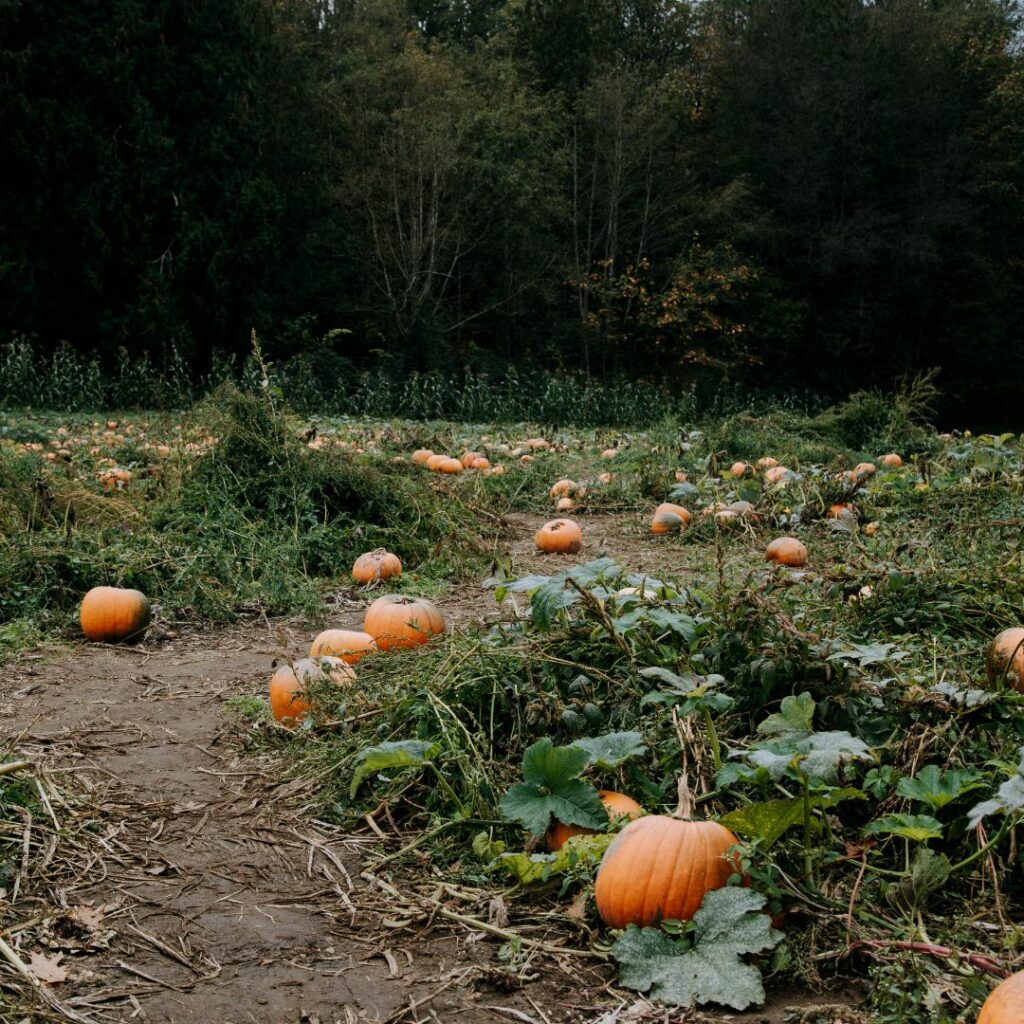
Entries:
{"x":396,"y":621}
{"x":421,"y":455}
{"x":468,"y":458}
{"x":739,"y":469}
{"x":669,"y":518}
{"x":434,"y":461}
{"x":376,"y":565}
{"x":561,"y":536}
{"x":562,"y":487}
{"x":863,"y":470}
{"x":449,"y":466}
{"x":892,"y":460}
{"x":289,"y":686}
{"x":660,"y":868}
{"x":1005,"y":660}
{"x":113,"y":613}
{"x":617,"y":805}
{"x":348,"y":644}
{"x":786,"y":551}
{"x":767,"y":462}
{"x":1005,"y":1004}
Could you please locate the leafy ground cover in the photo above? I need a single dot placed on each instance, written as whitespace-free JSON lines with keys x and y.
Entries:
{"x":837,"y":717}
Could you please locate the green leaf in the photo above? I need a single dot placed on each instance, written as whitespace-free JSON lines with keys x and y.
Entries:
{"x":396,"y":754}
{"x":918,"y":828}
{"x":537,"y":868}
{"x":795,"y":718}
{"x":824,"y":752}
{"x":609,"y":751}
{"x":1010,"y":797}
{"x":936,"y":788}
{"x":682,"y":625}
{"x":551,"y":787}
{"x":768,"y":821}
{"x":707,"y":969}
{"x":868,"y":654}
{"x":928,"y":873}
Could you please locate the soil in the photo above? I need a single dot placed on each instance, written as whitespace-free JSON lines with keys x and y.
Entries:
{"x":209,"y":891}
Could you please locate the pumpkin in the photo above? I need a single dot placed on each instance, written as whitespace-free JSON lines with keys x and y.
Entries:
{"x":113,"y":613}
{"x":767,"y":462}
{"x":561,"y":536}
{"x":525,"y":460}
{"x":289,"y":702}
{"x":738,"y":469}
{"x":786,"y":551}
{"x":537,"y":443}
{"x":421,"y":455}
{"x":669,"y":518}
{"x":348,"y":644}
{"x":1005,"y":660}
{"x":498,"y":470}
{"x":480,"y":462}
{"x":468,"y":458}
{"x":841,"y":510}
{"x":892,"y":460}
{"x":449,"y":466}
{"x":376,"y":565}
{"x":616,"y":804}
{"x":1005,"y":1004}
{"x":565,"y":505}
{"x":871,"y":529}
{"x":773,"y":474}
{"x":562,"y":487}
{"x":605,"y":478}
{"x":863,"y":469}
{"x":609,"y":453}
{"x":433,"y":461}
{"x":396,"y":621}
{"x":660,"y":868}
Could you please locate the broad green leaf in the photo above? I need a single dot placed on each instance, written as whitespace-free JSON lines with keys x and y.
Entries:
{"x":918,"y":828}
{"x":550,"y":787}
{"x":937,"y":788}
{"x":609,"y":751}
{"x":868,"y":654}
{"x":962,"y":695}
{"x":707,"y":968}
{"x":929,"y":872}
{"x":1010,"y":797}
{"x":768,"y":821}
{"x":537,"y":868}
{"x":680,"y":624}
{"x":795,"y":718}
{"x":393,"y":754}
{"x":684,"y":490}
{"x":824,"y":752}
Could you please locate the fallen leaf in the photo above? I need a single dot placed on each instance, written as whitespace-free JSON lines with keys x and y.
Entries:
{"x":47,"y":968}
{"x":90,"y":917}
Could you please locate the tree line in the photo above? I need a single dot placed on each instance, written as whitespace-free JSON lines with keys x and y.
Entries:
{"x":820,"y":194}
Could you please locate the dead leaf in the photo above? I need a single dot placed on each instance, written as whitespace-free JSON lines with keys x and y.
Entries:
{"x":497,"y":912}
{"x":47,"y":968}
{"x":577,"y":910}
{"x":91,"y":917}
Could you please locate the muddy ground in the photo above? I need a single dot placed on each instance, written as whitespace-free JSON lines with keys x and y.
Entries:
{"x":196,"y":886}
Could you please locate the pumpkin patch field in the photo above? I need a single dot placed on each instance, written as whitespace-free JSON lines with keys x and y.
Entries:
{"x":326,"y":719}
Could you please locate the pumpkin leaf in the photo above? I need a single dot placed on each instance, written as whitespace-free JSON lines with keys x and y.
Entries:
{"x":769,"y":820}
{"x":682,"y":625}
{"x":868,"y":654}
{"x":609,"y":751}
{"x":538,"y":868}
{"x":551,"y":788}
{"x":794,"y":719}
{"x":918,"y":828}
{"x":936,"y":788}
{"x":706,"y":966}
{"x":393,"y":754}
{"x":1008,"y":799}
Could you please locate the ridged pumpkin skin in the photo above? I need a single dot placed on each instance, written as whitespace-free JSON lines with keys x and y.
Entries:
{"x":376,"y":565}
{"x":288,"y":701}
{"x":113,"y":613}
{"x":669,"y":518}
{"x":616,"y":804}
{"x":786,"y":551}
{"x":560,"y":536}
{"x":1006,"y":1003}
{"x":348,"y":644}
{"x":396,"y":621}
{"x":659,"y":868}
{"x":421,"y":455}
{"x":1001,"y":669}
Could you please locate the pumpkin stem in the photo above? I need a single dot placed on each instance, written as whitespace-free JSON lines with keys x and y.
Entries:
{"x":686,"y":806}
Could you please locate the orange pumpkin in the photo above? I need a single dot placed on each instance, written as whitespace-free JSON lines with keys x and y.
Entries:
{"x":376,"y":565}
{"x":1005,"y":1004}
{"x":892,"y":460}
{"x":449,"y":466}
{"x":605,"y":478}
{"x":433,"y":461}
{"x":617,"y":805}
{"x":421,"y":455}
{"x":841,"y":510}
{"x":660,"y":868}
{"x":562,"y":487}
{"x":863,"y":469}
{"x":537,"y":443}
{"x":773,"y":474}
{"x":871,"y":529}
{"x":468,"y":458}
{"x":480,"y":462}
{"x":498,"y":470}
{"x":348,"y":644}
{"x":561,"y":536}
{"x":767,"y":462}
{"x":113,"y":613}
{"x":565,"y":505}
{"x":669,"y":518}
{"x":786,"y":551}
{"x":609,"y":453}
{"x":289,"y":686}
{"x":396,"y":621}
{"x":739,"y":469}
{"x":1005,"y":660}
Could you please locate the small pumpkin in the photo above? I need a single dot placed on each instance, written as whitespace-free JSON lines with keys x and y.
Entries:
{"x":786,"y":551}
{"x":114,"y":613}
{"x":525,"y":460}
{"x":421,"y":455}
{"x":565,"y":504}
{"x":379,"y":564}
{"x":660,"y":868}
{"x":892,"y":460}
{"x":537,"y":444}
{"x":396,"y":621}
{"x":669,"y":518}
{"x":871,"y":529}
{"x":605,"y":478}
{"x":863,"y":470}
{"x":1005,"y":659}
{"x":841,"y":510}
{"x":480,"y":462}
{"x":738,"y":469}
{"x":560,"y":536}
{"x":433,"y":461}
{"x":497,"y":470}
{"x":468,"y":458}
{"x":449,"y":466}
{"x":773,"y":474}
{"x":766,"y":462}
{"x":609,"y":453}
{"x":1005,"y":1004}
{"x":562,"y":487}
{"x":348,"y":644}
{"x":617,"y":805}
{"x":289,"y":686}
